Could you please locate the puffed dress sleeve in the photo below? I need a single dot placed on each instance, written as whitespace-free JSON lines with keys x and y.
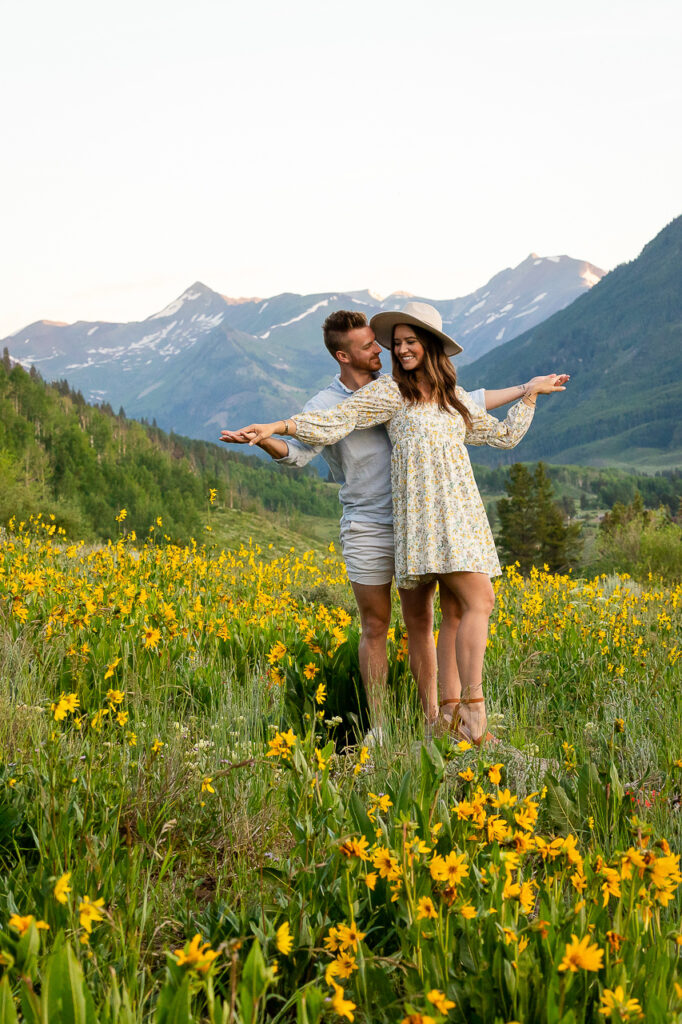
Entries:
{"x":371,"y":405}
{"x":485,"y":429}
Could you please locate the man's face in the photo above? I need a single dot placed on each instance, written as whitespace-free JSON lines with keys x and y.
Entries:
{"x":363,"y":351}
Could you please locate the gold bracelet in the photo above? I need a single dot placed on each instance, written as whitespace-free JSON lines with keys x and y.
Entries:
{"x":286,"y":427}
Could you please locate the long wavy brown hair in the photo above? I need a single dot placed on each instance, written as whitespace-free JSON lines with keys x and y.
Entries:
{"x":439,"y":372}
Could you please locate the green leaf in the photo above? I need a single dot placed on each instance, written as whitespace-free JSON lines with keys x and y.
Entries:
{"x":8,"y":1013}
{"x":253,"y":984}
{"x":309,"y":1005}
{"x":65,"y":996}
{"x":562,"y":810}
{"x":179,"y":1011}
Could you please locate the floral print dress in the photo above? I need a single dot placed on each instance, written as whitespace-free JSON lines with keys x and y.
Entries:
{"x":439,"y":520}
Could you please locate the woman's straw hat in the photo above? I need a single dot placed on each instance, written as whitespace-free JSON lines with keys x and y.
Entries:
{"x":418,"y":314}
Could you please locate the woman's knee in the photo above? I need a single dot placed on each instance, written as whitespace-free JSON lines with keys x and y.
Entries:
{"x":487,"y":598}
{"x":417,"y":609}
{"x":473,"y":592}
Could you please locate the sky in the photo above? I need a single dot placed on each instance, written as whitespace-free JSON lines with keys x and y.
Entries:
{"x":263,"y":147}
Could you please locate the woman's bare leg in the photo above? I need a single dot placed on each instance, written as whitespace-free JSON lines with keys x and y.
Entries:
{"x":417,"y":608}
{"x":448,"y":674}
{"x":476,"y":598}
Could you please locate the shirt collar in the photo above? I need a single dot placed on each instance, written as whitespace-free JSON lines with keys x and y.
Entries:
{"x":342,"y":387}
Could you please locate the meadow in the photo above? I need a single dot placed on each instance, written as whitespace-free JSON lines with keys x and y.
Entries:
{"x":192,"y":830}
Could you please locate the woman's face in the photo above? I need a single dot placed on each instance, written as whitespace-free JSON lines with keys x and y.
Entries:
{"x":407,"y":347}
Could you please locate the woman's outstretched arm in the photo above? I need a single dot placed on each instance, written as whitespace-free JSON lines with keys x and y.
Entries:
{"x":371,"y":405}
{"x":507,"y":433}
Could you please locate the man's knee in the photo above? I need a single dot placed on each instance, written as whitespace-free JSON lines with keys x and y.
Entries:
{"x":375,"y":626}
{"x":374,"y":605}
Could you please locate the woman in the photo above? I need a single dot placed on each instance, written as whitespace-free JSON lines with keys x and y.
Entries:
{"x":441,"y":529}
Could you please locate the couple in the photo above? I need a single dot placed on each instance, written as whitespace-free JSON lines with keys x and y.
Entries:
{"x":410,"y":501}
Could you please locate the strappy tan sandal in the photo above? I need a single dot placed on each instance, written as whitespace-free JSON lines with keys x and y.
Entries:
{"x":456,"y":722}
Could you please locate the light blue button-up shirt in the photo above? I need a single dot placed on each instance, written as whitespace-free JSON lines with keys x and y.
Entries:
{"x":361,"y":462}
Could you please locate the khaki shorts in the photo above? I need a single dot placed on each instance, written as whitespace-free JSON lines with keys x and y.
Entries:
{"x":368,"y":552}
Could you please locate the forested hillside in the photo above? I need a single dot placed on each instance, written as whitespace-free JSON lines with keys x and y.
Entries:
{"x":622,"y":344}
{"x":84,"y":464}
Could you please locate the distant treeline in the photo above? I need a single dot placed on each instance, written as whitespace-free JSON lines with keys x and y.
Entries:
{"x":586,"y":487}
{"x":84,"y":463}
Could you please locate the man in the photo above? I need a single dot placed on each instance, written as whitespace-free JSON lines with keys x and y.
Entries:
{"x":361,"y":463}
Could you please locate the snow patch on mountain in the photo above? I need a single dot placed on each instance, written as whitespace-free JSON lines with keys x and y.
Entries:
{"x":174,"y":307}
{"x":152,"y":387}
{"x":295,"y":319}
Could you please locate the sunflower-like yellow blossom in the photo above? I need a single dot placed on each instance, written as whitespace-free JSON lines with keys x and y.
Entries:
{"x":196,"y":955}
{"x":614,"y":1004}
{"x":440,"y":1000}
{"x":62,"y":888}
{"x":284,"y":940}
{"x":89,"y":912}
{"x":22,"y":924}
{"x":282,"y":745}
{"x":426,"y":909}
{"x":582,"y":955}
{"x":343,"y":1007}
{"x":356,"y":848}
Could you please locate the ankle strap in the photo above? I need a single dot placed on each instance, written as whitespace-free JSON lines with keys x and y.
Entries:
{"x":453,"y":700}
{"x":473,"y":700}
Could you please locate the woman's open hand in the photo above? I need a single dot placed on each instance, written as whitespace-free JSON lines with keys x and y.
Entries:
{"x":548,"y":384}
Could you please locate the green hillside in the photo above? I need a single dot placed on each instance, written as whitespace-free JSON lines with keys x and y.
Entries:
{"x":83,"y":464}
{"x":622,"y":344}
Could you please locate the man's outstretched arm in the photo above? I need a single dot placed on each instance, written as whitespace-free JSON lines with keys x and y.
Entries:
{"x":494,"y":399}
{"x":291,"y":452}
{"x":273,"y":446}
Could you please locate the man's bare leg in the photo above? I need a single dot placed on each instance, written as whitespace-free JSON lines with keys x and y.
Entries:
{"x":374,"y":605}
{"x":417,"y":606}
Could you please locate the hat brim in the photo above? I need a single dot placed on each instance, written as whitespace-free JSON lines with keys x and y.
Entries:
{"x":383,"y":323}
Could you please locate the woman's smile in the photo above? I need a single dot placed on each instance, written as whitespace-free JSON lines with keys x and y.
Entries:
{"x":408,"y":349}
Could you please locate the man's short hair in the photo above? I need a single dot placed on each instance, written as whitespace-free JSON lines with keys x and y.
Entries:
{"x":336,"y":327}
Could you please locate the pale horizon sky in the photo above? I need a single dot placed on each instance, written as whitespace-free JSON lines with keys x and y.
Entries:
{"x":315,"y":147}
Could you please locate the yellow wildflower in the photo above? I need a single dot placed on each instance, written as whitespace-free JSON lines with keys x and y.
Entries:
{"x":614,"y":1004}
{"x":89,"y":912}
{"x":22,"y":924}
{"x":580,"y":954}
{"x":196,"y":955}
{"x":62,"y":888}
{"x":426,"y":909}
{"x":344,"y":1007}
{"x":439,"y":1000}
{"x":284,"y":940}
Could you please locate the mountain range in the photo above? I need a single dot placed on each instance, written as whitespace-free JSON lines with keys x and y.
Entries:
{"x":207,"y":361}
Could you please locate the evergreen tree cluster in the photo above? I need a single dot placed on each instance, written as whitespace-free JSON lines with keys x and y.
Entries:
{"x":533,"y":527}
{"x":84,"y":463}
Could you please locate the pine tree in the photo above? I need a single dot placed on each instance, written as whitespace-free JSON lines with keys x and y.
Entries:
{"x":533,"y":530}
{"x":518,"y":523}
